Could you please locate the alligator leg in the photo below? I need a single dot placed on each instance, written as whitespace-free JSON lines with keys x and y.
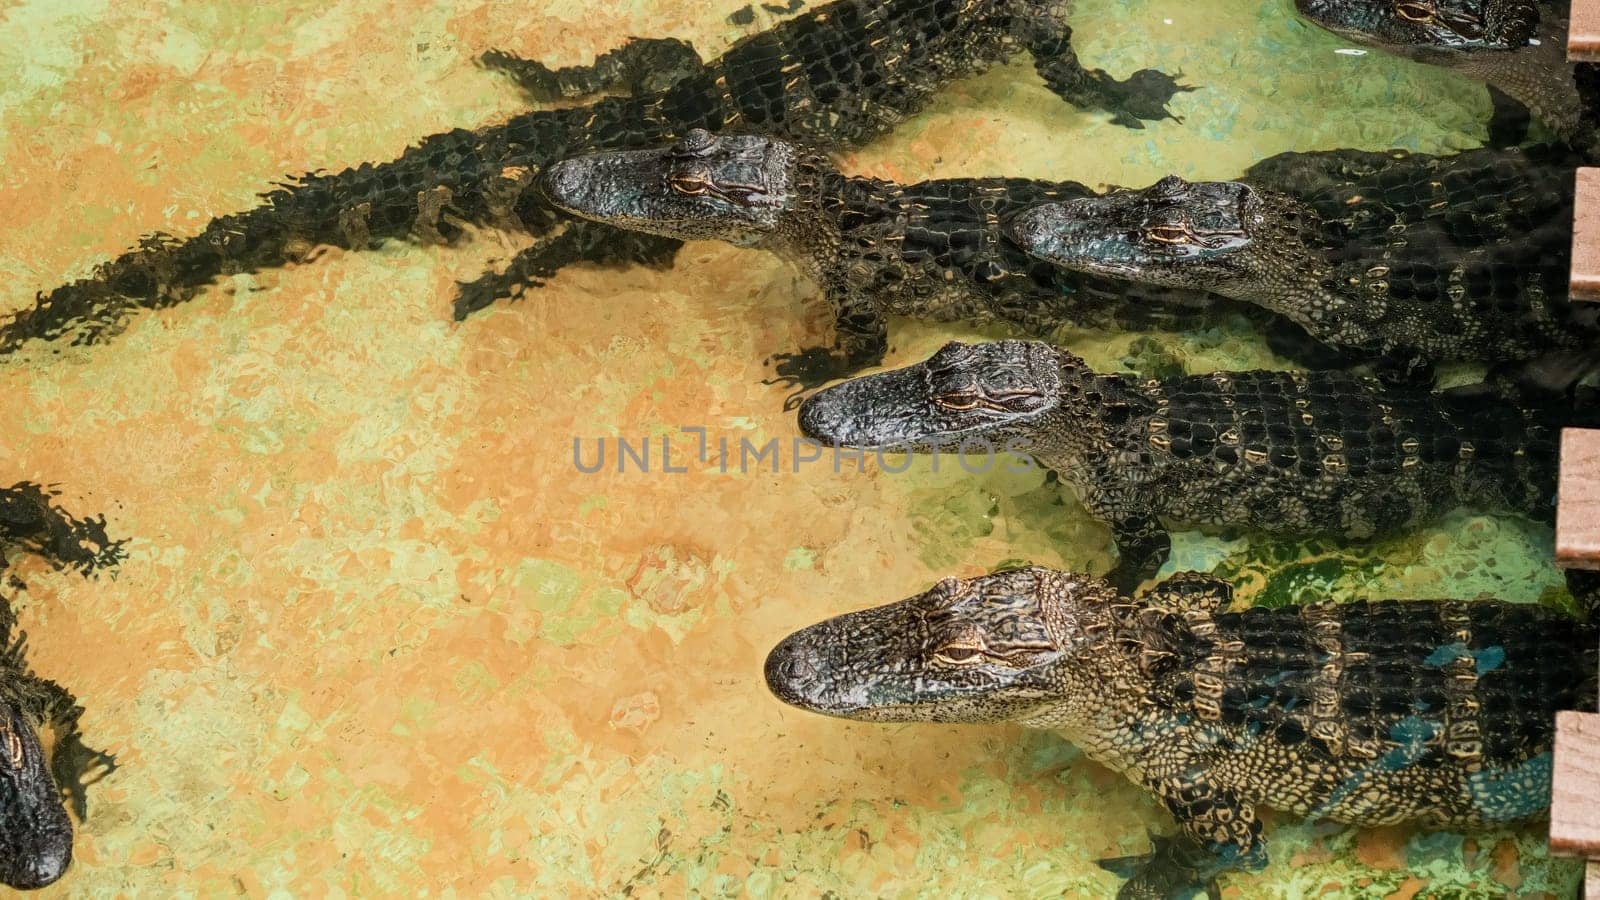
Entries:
{"x":29,"y":519}
{"x":1190,"y":591}
{"x":1142,"y":547}
{"x":1173,"y":868}
{"x":73,"y":765}
{"x":1142,"y":97}
{"x":862,"y":340}
{"x":1508,"y":127}
{"x":642,"y":65}
{"x":1218,"y":832}
{"x":590,"y":242}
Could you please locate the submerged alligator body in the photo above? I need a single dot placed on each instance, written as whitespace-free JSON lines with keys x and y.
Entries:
{"x":1413,"y":258}
{"x":1295,"y":454}
{"x":1515,"y":47}
{"x":35,"y":830}
{"x":1427,"y":711}
{"x":932,"y":250}
{"x":839,"y":75}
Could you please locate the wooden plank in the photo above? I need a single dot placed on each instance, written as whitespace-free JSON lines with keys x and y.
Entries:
{"x":1585,"y":274}
{"x":1583,"y":35}
{"x":1575,"y":786}
{"x":1578,"y":506}
{"x":1591,"y":881}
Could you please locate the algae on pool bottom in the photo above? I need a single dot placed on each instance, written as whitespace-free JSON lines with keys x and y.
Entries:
{"x":376,"y":633}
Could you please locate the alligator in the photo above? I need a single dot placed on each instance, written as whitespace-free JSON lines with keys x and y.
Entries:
{"x":1295,"y":454}
{"x":1517,"y":48}
{"x":933,"y":249}
{"x":1367,"y":713}
{"x":1411,"y":258}
{"x":839,"y":75}
{"x":35,"y":830}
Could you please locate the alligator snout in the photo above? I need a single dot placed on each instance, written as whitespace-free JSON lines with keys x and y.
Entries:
{"x":43,"y":867}
{"x":791,"y":673}
{"x":566,"y":183}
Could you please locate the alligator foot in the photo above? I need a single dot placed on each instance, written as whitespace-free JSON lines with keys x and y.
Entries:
{"x":1161,"y":874}
{"x":75,"y":767}
{"x":588,"y":242}
{"x":809,"y":368}
{"x":1508,"y":125}
{"x":1404,"y":372}
{"x":1143,"y":97}
{"x":642,"y":65}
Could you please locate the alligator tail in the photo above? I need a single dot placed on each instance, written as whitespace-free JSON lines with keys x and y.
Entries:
{"x":1513,"y":420}
{"x":447,"y":181}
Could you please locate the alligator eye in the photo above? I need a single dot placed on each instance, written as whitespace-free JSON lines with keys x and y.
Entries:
{"x":1169,"y":234}
{"x":958,"y":401}
{"x":1414,"y":12}
{"x":959,"y":654}
{"x":1016,"y":399}
{"x":687,"y":184}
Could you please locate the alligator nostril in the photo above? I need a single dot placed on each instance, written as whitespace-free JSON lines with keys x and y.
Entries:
{"x":796,"y":669}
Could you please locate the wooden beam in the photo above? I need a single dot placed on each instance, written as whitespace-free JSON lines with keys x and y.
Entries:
{"x":1583,"y":34}
{"x":1578,"y":504}
{"x":1575,"y":786}
{"x":1585,"y":274}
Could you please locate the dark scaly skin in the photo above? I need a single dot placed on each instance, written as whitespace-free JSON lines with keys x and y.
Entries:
{"x":1419,"y":259}
{"x":1515,"y":47}
{"x":839,"y":75}
{"x":35,"y":830}
{"x":1429,"y":711}
{"x":1295,"y":454}
{"x":931,"y":250}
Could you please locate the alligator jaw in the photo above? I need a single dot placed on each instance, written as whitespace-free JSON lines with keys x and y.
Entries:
{"x":1075,"y":235}
{"x":974,"y":650}
{"x":734,"y":188}
{"x":873,"y":412}
{"x":965,"y":394}
{"x":626,"y":188}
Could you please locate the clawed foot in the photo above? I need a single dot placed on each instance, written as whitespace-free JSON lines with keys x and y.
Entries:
{"x":1160,"y":875}
{"x":487,"y":289}
{"x":536,"y":79}
{"x":75,"y":767}
{"x":810,"y":368}
{"x":1401,"y":372}
{"x":1143,"y":97}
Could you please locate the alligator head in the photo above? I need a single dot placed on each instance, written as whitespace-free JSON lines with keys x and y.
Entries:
{"x":1428,"y":29}
{"x":995,"y":648}
{"x":727,"y":187}
{"x":1174,"y":233}
{"x":1219,"y":236}
{"x":35,"y":833}
{"x":962,"y":396}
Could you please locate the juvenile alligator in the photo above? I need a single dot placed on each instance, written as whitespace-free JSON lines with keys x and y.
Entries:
{"x":839,"y":75}
{"x":35,"y":830}
{"x":1428,"y":711}
{"x":1288,"y":453}
{"x":1415,"y":258}
{"x":1515,"y":47}
{"x":932,"y":250}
